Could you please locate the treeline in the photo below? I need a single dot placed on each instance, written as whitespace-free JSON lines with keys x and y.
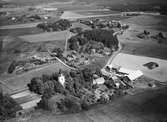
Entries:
{"x":59,"y":25}
{"x":8,"y":107}
{"x":104,"y":37}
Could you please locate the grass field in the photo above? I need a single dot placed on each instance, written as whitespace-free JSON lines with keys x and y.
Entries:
{"x":20,"y":81}
{"x":51,"y":36}
{"x":150,"y":22}
{"x":20,"y":31}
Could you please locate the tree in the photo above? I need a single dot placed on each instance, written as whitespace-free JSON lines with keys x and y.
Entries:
{"x":87,"y":74}
{"x":12,"y":67}
{"x":44,"y":99}
{"x":161,"y":35}
{"x":36,"y":85}
{"x":59,"y":25}
{"x":58,"y":51}
{"x":70,"y":104}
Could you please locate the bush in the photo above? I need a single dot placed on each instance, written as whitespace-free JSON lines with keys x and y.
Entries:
{"x":70,"y":105}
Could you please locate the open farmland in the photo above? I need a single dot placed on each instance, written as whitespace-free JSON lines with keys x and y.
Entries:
{"x":144,"y":47}
{"x":102,"y":12}
{"x":149,"y":22}
{"x":19,"y":31}
{"x":76,"y":15}
{"x":51,"y":36}
{"x":32,"y":2}
{"x":20,"y":81}
{"x":137,"y":62}
{"x":27,"y":25}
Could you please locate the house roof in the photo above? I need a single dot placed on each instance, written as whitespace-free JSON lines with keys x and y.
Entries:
{"x":132,"y":74}
{"x":100,"y":80}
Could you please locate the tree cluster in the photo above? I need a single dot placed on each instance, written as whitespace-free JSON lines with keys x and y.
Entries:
{"x":103,"y":37}
{"x":78,"y":89}
{"x":59,"y":25}
{"x":59,"y":52}
{"x":8,"y":107}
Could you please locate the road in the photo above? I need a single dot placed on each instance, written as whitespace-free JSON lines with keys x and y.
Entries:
{"x":120,"y":46}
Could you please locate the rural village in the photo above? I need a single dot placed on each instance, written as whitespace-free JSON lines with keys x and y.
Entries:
{"x":65,"y":58}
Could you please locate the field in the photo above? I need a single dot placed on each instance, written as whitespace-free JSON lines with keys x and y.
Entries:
{"x":20,"y":81}
{"x":32,"y":2}
{"x":144,"y":47}
{"x":96,"y":12}
{"x":17,"y":26}
{"x":51,"y":36}
{"x":137,"y":62}
{"x":19,"y":31}
{"x":150,"y":22}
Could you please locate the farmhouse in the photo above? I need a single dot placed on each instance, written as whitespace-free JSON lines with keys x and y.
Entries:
{"x":121,"y":71}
